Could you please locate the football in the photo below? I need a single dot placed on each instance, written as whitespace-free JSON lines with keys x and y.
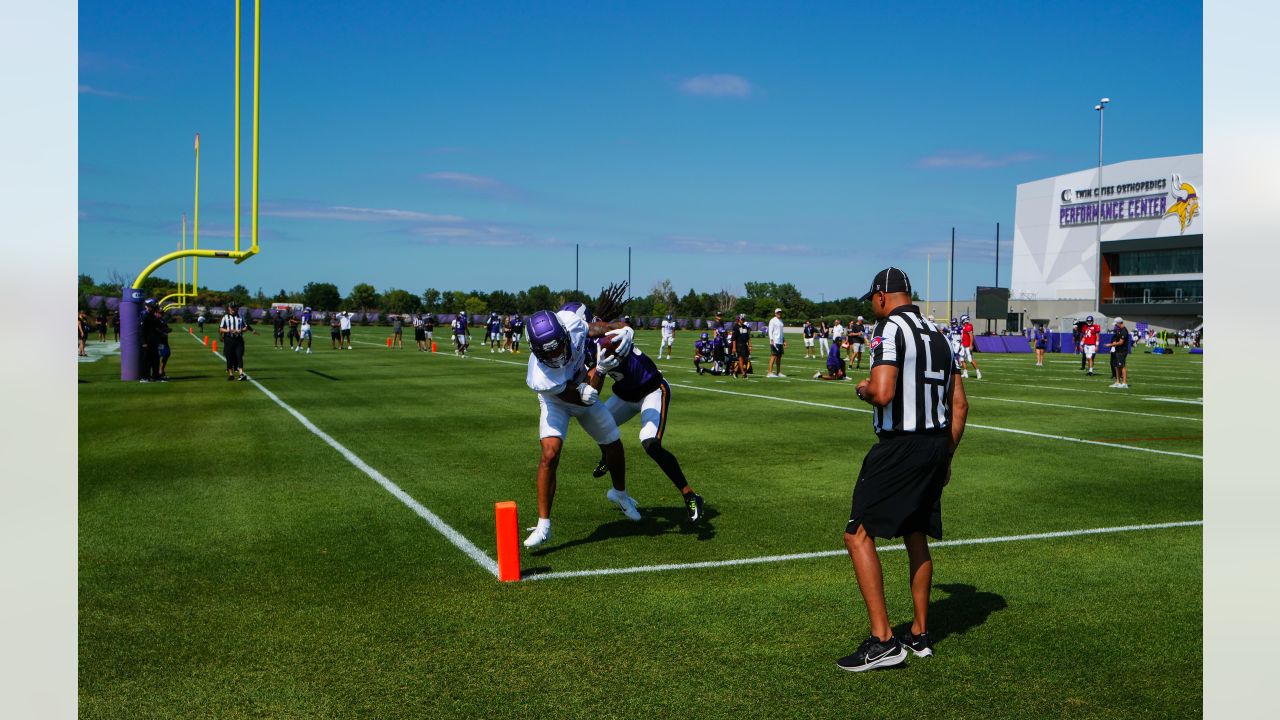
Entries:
{"x":612,"y":346}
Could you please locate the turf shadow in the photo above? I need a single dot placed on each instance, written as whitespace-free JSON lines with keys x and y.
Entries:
{"x":323,"y":375}
{"x":653,"y":522}
{"x":964,"y":608}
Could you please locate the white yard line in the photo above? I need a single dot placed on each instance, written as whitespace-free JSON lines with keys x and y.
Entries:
{"x":1093,"y":409}
{"x":837,"y":553}
{"x":453,"y":536}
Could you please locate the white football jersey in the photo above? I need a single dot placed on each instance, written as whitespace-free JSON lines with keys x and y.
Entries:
{"x":668,"y":326}
{"x":551,"y":381}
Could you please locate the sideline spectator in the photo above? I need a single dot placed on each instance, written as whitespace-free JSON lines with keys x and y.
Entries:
{"x":857,"y":339}
{"x":115,"y":325}
{"x":808,"y":331}
{"x":294,"y":338}
{"x":1120,"y":340}
{"x":1041,"y":343}
{"x":777,"y":343}
{"x":824,"y":341}
{"x":335,"y":331}
{"x":102,"y":326}
{"x":344,"y":324}
{"x":162,"y":345}
{"x":82,"y":333}
{"x":742,"y":347}
{"x":277,"y":331}
{"x":152,"y":338}
{"x":397,"y":332}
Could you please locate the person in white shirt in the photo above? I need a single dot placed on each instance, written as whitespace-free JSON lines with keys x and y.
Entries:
{"x":777,"y":342}
{"x":344,"y":325}
{"x":668,"y":336}
{"x":837,"y":333}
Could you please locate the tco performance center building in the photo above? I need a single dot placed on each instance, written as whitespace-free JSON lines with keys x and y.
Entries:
{"x":1144,"y":220}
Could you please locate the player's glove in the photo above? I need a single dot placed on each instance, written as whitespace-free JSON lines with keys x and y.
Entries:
{"x":588,"y":393}
{"x":607,"y":363}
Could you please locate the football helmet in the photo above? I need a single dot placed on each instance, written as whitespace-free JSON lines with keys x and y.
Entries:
{"x":548,"y":339}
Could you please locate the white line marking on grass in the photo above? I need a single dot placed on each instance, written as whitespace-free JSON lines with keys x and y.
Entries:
{"x":1198,"y":401}
{"x":967,"y":425}
{"x":418,"y":508}
{"x":96,"y":351}
{"x":1095,"y":409}
{"x":837,"y":553}
{"x":978,"y":383}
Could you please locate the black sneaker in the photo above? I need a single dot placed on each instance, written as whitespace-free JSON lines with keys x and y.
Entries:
{"x":693,"y":503}
{"x":230,"y":378}
{"x":601,"y":469}
{"x":243,"y":378}
{"x":872,"y":654}
{"x":920,"y":644}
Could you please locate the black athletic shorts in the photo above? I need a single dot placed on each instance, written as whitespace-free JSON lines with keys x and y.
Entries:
{"x":1118,"y":358}
{"x":775,"y":350}
{"x":419,"y":334}
{"x":899,"y":489}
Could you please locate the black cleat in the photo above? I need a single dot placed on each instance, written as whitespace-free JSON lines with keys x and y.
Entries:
{"x":920,"y":645}
{"x":872,"y":654}
{"x":600,"y":470}
{"x":693,"y":503}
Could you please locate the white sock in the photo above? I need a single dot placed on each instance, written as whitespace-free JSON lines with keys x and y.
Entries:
{"x":544,"y":524}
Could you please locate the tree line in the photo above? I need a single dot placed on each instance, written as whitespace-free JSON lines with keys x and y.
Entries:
{"x":757,"y":302}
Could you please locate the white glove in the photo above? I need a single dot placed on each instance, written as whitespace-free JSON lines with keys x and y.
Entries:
{"x":607,"y":363}
{"x":589,"y":394}
{"x":628,"y":338}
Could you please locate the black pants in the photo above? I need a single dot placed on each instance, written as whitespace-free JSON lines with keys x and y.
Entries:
{"x":234,"y":351}
{"x":151,"y":361}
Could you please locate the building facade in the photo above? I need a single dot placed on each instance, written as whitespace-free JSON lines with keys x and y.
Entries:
{"x":1128,"y":243}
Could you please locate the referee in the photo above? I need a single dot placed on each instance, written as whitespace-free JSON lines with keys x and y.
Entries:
{"x":232,"y":330}
{"x":919,"y":417}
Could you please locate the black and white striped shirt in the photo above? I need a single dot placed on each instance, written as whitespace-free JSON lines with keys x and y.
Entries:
{"x":926,"y":370}
{"x":233,"y":324}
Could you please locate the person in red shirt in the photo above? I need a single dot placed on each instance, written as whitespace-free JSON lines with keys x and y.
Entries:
{"x":1089,"y":335}
{"x":966,"y":347}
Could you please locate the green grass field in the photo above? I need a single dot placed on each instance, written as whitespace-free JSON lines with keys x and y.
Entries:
{"x":232,"y":564}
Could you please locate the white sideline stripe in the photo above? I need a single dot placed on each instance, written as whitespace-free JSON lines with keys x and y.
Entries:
{"x":1059,"y":388}
{"x":809,"y":403}
{"x":836,"y":553}
{"x":967,"y":425}
{"x":1177,"y":400}
{"x":434,"y":520}
{"x":1094,"y":409}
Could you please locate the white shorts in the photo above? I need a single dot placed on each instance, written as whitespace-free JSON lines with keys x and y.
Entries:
{"x":1090,"y":350}
{"x":668,"y":341}
{"x":652,"y":410}
{"x":964,"y":354}
{"x":595,"y":419}
{"x":808,"y":342}
{"x":306,"y":332}
{"x":857,"y":348}
{"x":462,"y":340}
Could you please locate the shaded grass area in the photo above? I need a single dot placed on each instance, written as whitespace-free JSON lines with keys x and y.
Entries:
{"x":232,"y":565}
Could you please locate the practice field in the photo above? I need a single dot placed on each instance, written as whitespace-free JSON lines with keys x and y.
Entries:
{"x":319,"y":542}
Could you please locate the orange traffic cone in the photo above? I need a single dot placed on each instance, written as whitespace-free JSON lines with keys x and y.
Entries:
{"x":215,"y":346}
{"x":206,"y":340}
{"x":433,"y":346}
{"x":388,"y":342}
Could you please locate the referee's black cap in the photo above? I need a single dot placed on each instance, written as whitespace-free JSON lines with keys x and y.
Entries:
{"x":889,"y":280}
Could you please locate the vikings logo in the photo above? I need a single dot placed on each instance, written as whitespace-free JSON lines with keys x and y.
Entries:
{"x":1185,"y":206}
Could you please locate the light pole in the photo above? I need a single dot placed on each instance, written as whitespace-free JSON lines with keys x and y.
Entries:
{"x":1101,"y":107}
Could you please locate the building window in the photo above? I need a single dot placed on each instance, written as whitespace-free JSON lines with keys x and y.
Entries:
{"x":1185,"y":291}
{"x":1160,"y":262}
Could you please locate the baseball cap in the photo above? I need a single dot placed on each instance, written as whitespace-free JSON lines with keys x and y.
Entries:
{"x":777,"y":310}
{"x":1119,"y":321}
{"x":889,"y":280}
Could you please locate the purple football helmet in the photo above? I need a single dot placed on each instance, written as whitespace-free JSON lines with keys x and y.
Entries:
{"x":548,"y":339}
{"x":576,"y":308}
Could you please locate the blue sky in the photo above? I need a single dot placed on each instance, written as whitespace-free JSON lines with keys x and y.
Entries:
{"x":472,"y":145}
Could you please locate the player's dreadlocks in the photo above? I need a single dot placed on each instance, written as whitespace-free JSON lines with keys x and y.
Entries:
{"x":610,"y":304}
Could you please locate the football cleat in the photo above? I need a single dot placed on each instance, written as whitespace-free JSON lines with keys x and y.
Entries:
{"x":625,"y":502}
{"x":537,"y":536}
{"x":601,"y":469}
{"x":693,"y":503}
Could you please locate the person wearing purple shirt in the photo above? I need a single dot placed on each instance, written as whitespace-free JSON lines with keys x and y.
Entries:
{"x":639,"y":389}
{"x":836,"y":368}
{"x":701,"y":353}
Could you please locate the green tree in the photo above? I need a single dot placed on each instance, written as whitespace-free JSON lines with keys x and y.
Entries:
{"x":455,"y":301}
{"x":540,"y":298}
{"x":363,"y":297}
{"x":663,"y":298}
{"x":691,"y":305}
{"x":283,"y":297}
{"x":400,"y":301}
{"x":237,"y":293}
{"x":321,"y":296}
{"x":475,"y":305}
{"x":431,"y":299}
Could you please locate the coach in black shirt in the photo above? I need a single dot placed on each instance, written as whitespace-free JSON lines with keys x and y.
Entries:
{"x":919,"y":418}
